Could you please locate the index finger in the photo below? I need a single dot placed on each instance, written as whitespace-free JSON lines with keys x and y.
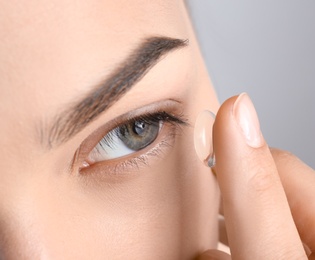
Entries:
{"x":258,"y":219}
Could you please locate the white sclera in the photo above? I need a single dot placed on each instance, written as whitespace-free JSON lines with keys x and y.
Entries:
{"x":203,"y":137}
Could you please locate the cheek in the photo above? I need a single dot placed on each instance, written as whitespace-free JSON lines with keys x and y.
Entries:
{"x":169,"y":210}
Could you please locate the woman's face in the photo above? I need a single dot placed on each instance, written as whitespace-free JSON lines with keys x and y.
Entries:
{"x":98,"y":103}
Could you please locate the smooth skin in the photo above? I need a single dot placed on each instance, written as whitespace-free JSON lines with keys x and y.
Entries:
{"x":267,"y":194}
{"x":52,"y":53}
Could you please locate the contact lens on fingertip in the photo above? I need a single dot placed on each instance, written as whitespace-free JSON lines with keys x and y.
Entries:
{"x":203,"y":137}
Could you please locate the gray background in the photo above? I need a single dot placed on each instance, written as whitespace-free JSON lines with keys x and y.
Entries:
{"x":265,"y":48}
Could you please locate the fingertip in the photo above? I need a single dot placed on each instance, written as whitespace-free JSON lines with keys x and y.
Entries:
{"x":223,"y":115}
{"x":224,"y":143}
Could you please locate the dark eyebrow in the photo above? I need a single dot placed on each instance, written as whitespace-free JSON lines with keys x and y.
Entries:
{"x":103,"y":95}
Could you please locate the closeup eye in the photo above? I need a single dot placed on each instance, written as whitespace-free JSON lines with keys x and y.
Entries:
{"x":126,"y":139}
{"x":132,"y":136}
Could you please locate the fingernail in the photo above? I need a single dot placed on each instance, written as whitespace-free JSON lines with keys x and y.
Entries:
{"x":246,"y":117}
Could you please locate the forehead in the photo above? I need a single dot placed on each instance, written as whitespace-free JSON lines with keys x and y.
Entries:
{"x":55,"y":24}
{"x":39,"y":37}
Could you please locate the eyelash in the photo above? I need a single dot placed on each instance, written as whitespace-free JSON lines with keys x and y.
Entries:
{"x":148,"y":118}
{"x":113,"y":167}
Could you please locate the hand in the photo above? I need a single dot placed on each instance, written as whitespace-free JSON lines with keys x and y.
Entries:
{"x":260,"y":188}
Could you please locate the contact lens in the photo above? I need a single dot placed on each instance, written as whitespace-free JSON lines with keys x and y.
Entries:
{"x":203,"y":137}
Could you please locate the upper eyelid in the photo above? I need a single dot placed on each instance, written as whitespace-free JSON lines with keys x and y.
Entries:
{"x":160,"y":115}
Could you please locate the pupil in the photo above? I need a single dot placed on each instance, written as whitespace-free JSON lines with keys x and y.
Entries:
{"x":139,"y":127}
